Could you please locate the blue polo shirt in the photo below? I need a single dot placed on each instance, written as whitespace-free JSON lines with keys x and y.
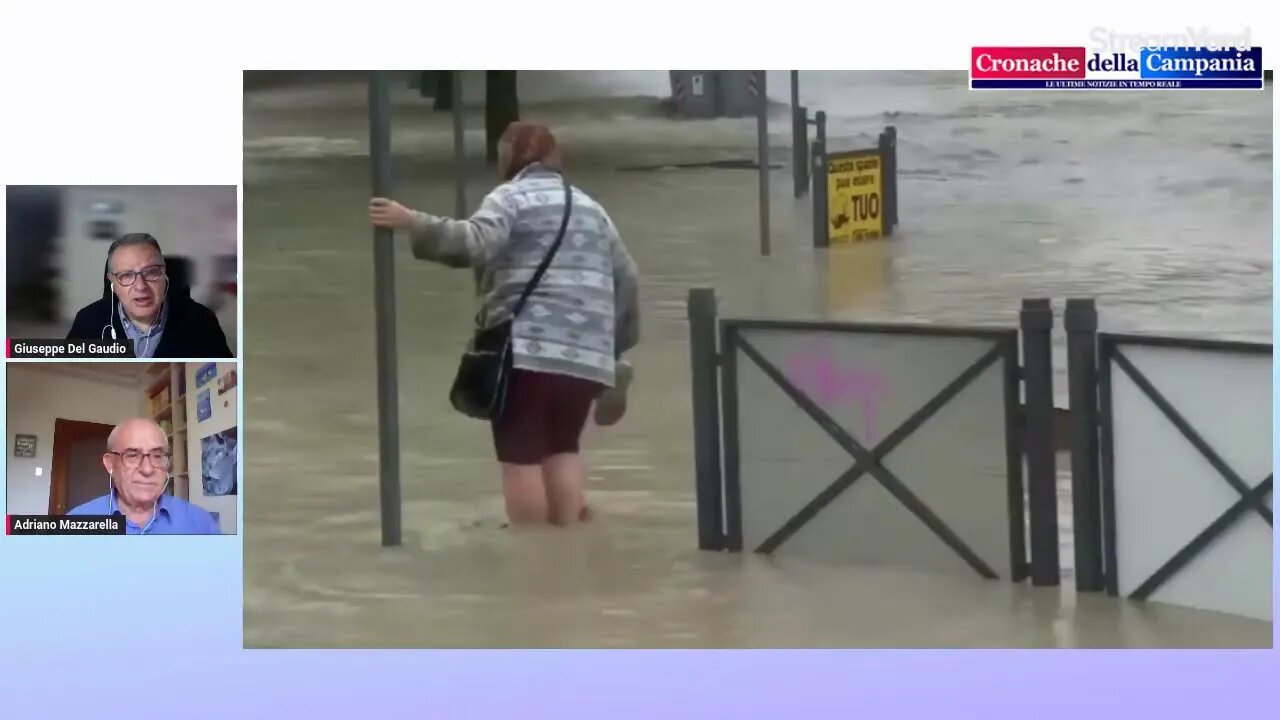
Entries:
{"x":174,"y":516}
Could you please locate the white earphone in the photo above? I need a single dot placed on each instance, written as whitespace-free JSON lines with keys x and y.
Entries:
{"x":111,"y":490}
{"x":111,"y":315}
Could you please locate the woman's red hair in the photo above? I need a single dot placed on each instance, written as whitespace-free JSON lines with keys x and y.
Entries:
{"x":529,"y":143}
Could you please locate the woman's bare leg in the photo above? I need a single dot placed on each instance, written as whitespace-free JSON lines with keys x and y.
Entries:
{"x":525,"y":492}
{"x":565,"y":475}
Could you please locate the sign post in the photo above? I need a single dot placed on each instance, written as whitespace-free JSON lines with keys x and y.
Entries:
{"x":799,"y":139}
{"x":762,"y":150}
{"x":459,"y":148}
{"x":460,"y":162}
{"x":385,"y":308}
{"x":889,"y":158}
{"x":856,"y":198}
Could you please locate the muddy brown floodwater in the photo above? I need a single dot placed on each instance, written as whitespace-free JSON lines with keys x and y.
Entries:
{"x":1158,"y":204}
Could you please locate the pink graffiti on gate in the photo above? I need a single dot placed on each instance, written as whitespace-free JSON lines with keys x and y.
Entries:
{"x":816,"y":374}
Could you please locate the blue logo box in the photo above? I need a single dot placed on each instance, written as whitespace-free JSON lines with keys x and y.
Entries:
{"x":1180,"y":63}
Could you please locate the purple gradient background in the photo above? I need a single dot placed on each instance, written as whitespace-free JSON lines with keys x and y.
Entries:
{"x":85,"y":634}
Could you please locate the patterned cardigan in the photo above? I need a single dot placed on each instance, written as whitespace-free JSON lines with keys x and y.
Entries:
{"x":585,"y":311}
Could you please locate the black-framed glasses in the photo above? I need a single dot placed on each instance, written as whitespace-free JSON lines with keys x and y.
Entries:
{"x":151,"y":273}
{"x":133,"y":458}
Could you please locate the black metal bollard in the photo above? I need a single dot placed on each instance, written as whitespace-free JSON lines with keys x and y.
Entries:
{"x":800,"y":149}
{"x":818,"y":157}
{"x":889,"y":159}
{"x":1081,"y":322}
{"x":706,"y":417}
{"x":820,"y":120}
{"x":1037,"y":363}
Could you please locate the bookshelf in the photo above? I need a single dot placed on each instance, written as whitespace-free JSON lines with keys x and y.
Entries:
{"x":166,"y":397}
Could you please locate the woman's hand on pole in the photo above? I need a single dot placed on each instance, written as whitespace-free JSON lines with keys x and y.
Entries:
{"x":390,"y":214}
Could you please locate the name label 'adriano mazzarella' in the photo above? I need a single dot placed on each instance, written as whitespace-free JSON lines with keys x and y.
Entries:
{"x":68,"y":525}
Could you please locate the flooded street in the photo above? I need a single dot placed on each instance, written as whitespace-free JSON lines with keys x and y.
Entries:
{"x":1157,"y":204}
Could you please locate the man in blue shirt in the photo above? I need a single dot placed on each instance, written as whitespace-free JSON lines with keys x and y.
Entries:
{"x":145,"y":338}
{"x":138,"y":462}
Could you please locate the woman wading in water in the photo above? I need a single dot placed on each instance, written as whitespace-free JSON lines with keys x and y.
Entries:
{"x":578,"y":321}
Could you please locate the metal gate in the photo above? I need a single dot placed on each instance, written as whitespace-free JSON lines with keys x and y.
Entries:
{"x":1211,"y":492}
{"x":862,"y":443}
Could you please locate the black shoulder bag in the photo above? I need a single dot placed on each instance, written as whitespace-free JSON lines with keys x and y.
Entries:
{"x":480,"y":387}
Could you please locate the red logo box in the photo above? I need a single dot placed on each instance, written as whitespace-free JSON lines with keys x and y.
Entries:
{"x":1032,"y":63}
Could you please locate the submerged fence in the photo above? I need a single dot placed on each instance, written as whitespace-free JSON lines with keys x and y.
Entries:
{"x":933,"y":448}
{"x":1175,"y":469}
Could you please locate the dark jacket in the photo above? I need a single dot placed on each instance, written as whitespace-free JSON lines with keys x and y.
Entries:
{"x":190,"y":331}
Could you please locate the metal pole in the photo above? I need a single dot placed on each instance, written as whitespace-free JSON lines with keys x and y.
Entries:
{"x":706,"y":418}
{"x":819,"y":174}
{"x":460,"y":163}
{"x":889,"y":170}
{"x":799,"y":139}
{"x":459,"y":150}
{"x":1042,"y":490}
{"x":1081,"y":321}
{"x":892,"y":133}
{"x":800,"y":150}
{"x":385,"y":305}
{"x":762,"y":150}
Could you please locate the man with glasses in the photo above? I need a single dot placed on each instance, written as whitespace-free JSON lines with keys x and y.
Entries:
{"x":139,"y":305}
{"x":138,"y":462}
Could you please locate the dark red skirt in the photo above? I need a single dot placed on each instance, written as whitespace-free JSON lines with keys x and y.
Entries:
{"x":545,"y":415}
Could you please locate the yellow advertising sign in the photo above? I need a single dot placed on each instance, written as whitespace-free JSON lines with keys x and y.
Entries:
{"x":855,"y":198}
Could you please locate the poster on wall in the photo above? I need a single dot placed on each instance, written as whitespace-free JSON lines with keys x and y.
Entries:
{"x":227,"y":382}
{"x":218,"y":463}
{"x":204,"y":407}
{"x":206,"y":373}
